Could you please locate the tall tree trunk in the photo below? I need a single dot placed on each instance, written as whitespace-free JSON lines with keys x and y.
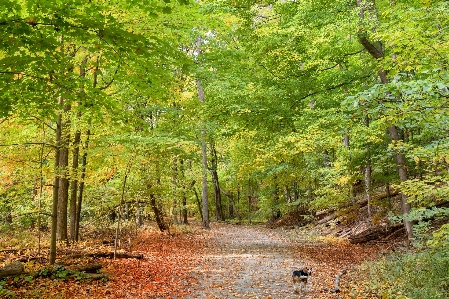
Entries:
{"x":157,"y":213}
{"x":122,"y":201}
{"x":74,"y":185}
{"x":41,"y":187}
{"x":205,"y":191}
{"x":81,"y":186}
{"x":368,"y":171}
{"x":376,"y":51}
{"x":63,"y":191}
{"x":401,"y":163}
{"x":75,"y":163}
{"x":231,"y":199}
{"x":184,"y":191}
{"x":54,"y":210}
{"x":175,"y":191}
{"x":139,"y":221}
{"x":198,"y":201}
{"x":216,"y":184}
{"x":217,"y":196}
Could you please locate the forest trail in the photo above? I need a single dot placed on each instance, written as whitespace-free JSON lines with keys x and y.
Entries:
{"x":257,"y":262}
{"x":227,"y":261}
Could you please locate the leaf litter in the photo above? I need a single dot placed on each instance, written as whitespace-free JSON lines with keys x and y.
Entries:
{"x":227,"y":261}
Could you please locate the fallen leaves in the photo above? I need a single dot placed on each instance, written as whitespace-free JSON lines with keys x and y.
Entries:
{"x":224,"y":262}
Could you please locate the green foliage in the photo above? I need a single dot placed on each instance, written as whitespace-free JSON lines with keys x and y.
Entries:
{"x":411,"y":275}
{"x":284,"y":81}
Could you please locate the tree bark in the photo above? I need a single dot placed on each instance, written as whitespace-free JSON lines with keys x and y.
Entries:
{"x":122,"y":200}
{"x":75,"y":164}
{"x":54,"y":210}
{"x":368,"y":171}
{"x":175,"y":191}
{"x":216,"y":183}
{"x":157,"y":213}
{"x":63,"y":191}
{"x":198,"y":201}
{"x":401,"y":162}
{"x":205,"y":191}
{"x":217,"y":196}
{"x":74,"y":185}
{"x":81,"y":187}
{"x":11,"y":270}
{"x":231,"y":198}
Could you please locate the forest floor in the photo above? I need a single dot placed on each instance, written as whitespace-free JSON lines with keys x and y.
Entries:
{"x":257,"y":262}
{"x":227,"y":261}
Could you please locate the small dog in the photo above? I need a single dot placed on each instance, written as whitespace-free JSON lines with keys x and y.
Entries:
{"x":301,"y":277}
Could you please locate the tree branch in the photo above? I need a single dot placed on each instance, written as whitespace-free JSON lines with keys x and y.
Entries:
{"x":370,"y":47}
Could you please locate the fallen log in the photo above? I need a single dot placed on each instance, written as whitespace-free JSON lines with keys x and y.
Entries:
{"x":118,"y":255}
{"x":377,"y":197}
{"x":395,"y":233}
{"x":373,"y":233}
{"x":90,"y":268}
{"x":327,"y":219}
{"x":11,"y":270}
{"x":27,"y":258}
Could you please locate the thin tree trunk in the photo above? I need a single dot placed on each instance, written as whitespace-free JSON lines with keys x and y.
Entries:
{"x":74,"y":185}
{"x":184,"y":209}
{"x":231,"y":198}
{"x":157,"y":213}
{"x":368,"y":186}
{"x":75,"y":163}
{"x":54,"y":210}
{"x":216,"y":184}
{"x":368,"y":171}
{"x":205,"y":191}
{"x":81,"y":187}
{"x":198,"y":201}
{"x":184,"y":191}
{"x":63,"y":191}
{"x":175,"y":187}
{"x":217,"y":196}
{"x":401,"y":163}
{"x":122,"y":200}
{"x":138,"y":214}
{"x":346,"y":141}
{"x":376,"y":52}
{"x":41,"y":187}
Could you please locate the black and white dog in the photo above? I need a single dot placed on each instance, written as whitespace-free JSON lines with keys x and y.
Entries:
{"x":301,"y":277}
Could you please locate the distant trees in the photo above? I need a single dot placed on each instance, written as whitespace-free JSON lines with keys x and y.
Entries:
{"x":289,"y":105}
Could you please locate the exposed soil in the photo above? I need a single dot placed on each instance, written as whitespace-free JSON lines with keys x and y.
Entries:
{"x":257,"y":262}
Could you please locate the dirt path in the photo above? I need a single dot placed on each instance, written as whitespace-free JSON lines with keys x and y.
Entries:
{"x":228,"y":261}
{"x":256,"y":262}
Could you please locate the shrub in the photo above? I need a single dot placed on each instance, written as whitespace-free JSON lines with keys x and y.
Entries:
{"x":406,"y":276}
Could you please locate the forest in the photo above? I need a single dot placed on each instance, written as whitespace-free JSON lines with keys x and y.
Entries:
{"x":116,"y":115}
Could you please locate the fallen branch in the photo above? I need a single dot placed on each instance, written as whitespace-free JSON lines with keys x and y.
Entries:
{"x":336,"y":288}
{"x":327,"y":219}
{"x":11,"y":270}
{"x":374,"y":233}
{"x":395,"y":234}
{"x":90,"y":268}
{"x":118,"y":255}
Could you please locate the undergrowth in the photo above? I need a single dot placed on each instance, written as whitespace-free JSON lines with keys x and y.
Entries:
{"x":404,"y":276}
